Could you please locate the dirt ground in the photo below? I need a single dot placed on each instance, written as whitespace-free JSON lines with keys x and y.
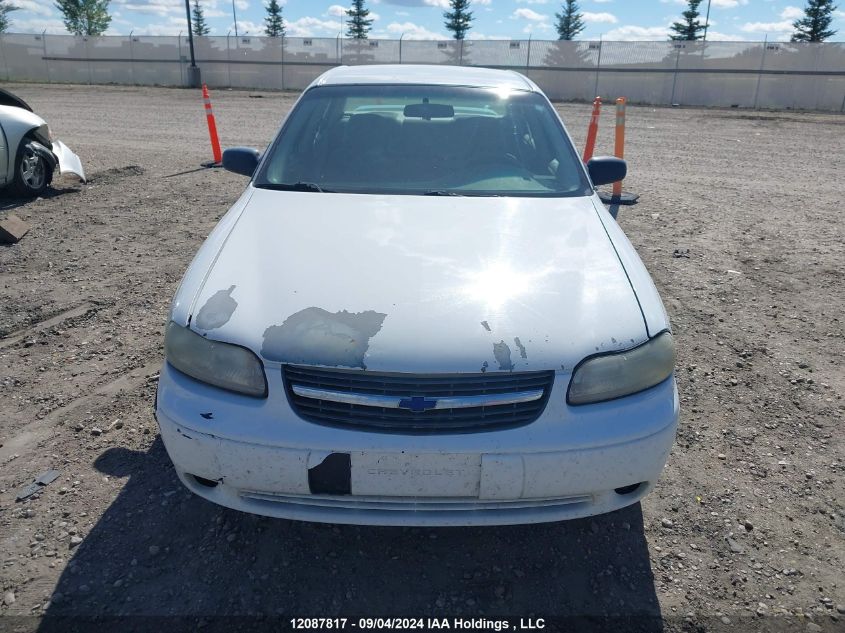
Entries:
{"x":740,"y":224}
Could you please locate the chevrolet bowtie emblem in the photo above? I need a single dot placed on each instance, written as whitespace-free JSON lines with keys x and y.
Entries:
{"x":417,"y":404}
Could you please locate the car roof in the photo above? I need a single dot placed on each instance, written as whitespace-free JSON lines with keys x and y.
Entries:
{"x":428,"y":75}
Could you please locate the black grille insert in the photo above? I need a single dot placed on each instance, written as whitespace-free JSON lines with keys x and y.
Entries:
{"x":393,"y":420}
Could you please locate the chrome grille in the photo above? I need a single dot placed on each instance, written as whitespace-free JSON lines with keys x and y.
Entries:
{"x":394,"y":402}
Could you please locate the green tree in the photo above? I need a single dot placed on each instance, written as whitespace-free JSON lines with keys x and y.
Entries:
{"x":5,"y":10}
{"x":569,"y":22}
{"x":459,"y":19}
{"x":688,"y":30}
{"x":198,"y":23}
{"x":274,"y":24}
{"x":358,"y":25}
{"x":815,"y":25}
{"x":85,"y":17}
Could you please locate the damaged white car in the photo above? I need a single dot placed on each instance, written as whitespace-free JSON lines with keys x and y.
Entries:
{"x":419,"y":313}
{"x":29,"y":155}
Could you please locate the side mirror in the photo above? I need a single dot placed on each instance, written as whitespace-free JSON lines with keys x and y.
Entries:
{"x":603,"y":170}
{"x":241,"y":160}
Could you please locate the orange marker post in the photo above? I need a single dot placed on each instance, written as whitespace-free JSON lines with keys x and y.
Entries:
{"x":212,"y":127}
{"x":592,"y":130}
{"x":619,"y":148}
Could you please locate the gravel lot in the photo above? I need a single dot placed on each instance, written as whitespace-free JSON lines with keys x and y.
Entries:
{"x":739,"y":223}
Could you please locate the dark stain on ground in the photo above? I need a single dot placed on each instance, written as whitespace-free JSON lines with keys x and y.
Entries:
{"x":110,"y":176}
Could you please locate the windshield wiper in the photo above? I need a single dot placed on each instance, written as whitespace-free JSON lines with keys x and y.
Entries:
{"x":468,"y":194}
{"x":297,"y":186}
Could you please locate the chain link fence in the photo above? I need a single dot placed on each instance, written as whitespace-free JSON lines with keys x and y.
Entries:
{"x":776,"y":75}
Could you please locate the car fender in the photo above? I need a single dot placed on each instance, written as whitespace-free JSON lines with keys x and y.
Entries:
{"x":17,"y":124}
{"x":654,"y":313}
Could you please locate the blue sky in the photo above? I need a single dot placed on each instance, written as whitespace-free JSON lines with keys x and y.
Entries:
{"x":423,"y":19}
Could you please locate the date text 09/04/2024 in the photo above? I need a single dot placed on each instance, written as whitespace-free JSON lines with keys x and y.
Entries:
{"x":459,"y":624}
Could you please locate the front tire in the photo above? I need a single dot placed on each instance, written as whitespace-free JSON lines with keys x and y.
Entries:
{"x":32,"y":171}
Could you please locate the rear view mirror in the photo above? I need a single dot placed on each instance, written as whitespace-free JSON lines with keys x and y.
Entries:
{"x":603,"y":170}
{"x":241,"y":160}
{"x":429,"y":111}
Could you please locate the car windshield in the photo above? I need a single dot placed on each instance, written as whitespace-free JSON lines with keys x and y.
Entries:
{"x":423,"y":140}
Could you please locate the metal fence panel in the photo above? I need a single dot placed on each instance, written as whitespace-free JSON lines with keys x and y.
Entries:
{"x":107,"y":60}
{"x":581,"y":55}
{"x":641,"y":56}
{"x":24,"y":57}
{"x":713,"y":89}
{"x":158,"y":60}
{"x":431,"y":52}
{"x":565,"y":85}
{"x":68,"y":59}
{"x":357,"y":52}
{"x":744,"y":74}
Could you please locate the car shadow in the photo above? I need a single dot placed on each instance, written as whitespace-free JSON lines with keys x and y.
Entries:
{"x":160,"y":551}
{"x":9,"y":203}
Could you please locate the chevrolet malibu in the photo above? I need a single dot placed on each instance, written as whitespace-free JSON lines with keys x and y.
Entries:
{"x":419,"y":313}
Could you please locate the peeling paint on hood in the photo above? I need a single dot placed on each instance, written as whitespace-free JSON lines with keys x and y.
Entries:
{"x":316,"y":337}
{"x":217,"y":311}
{"x":401,"y":283}
{"x":502,"y":353}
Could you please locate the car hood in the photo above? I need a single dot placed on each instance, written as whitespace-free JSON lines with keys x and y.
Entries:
{"x":419,"y":284}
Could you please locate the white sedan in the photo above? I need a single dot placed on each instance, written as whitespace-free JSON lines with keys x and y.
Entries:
{"x":419,"y":313}
{"x":29,"y":155}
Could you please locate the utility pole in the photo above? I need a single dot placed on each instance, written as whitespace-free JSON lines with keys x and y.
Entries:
{"x":235,"y":15}
{"x":706,"y":21}
{"x":194,"y":80}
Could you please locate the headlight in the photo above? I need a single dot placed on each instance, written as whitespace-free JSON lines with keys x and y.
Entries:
{"x":621,"y":374}
{"x":220,"y":364}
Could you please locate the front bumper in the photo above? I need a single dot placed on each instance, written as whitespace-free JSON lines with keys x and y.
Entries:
{"x":69,"y":162}
{"x":259,"y":457}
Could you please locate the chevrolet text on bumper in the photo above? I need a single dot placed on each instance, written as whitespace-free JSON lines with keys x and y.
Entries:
{"x":419,"y":313}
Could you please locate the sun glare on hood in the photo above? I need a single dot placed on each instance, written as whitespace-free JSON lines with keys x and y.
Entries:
{"x":497,"y":284}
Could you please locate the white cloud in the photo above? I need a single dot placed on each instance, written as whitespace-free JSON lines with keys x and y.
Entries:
{"x":728,"y":4}
{"x":37,"y":25}
{"x":312,"y":27}
{"x":536,"y":1}
{"x":413,"y":31}
{"x":336,"y":10}
{"x":245,"y":27}
{"x":605,"y":17}
{"x":443,"y":4}
{"x":174,"y":25}
{"x":154,"y":7}
{"x":767,"y":27}
{"x":634,"y":33}
{"x":33,"y":7}
{"x":528,"y":14}
{"x":602,"y":1}
{"x":792,"y":13}
{"x":717,"y":36}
